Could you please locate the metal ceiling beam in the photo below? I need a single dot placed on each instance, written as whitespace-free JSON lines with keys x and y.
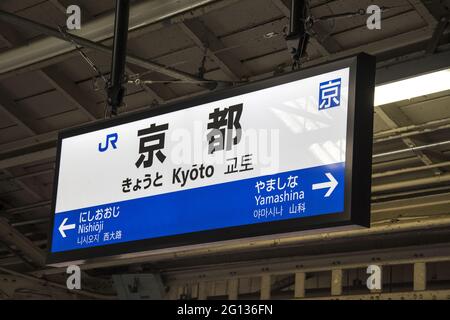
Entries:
{"x":62,"y":83}
{"x":437,"y":34}
{"x":5,"y":205}
{"x":26,"y":158}
{"x":139,"y":31}
{"x":10,"y":36}
{"x":70,"y":91}
{"x":57,"y":4}
{"x":10,"y":235}
{"x":28,"y":222}
{"x":411,"y":65}
{"x":29,"y":175}
{"x":10,"y":261}
{"x":30,"y":144}
{"x":7,"y":105}
{"x":423,"y":12}
{"x":395,"y":118}
{"x":205,"y":39}
{"x":29,"y":207}
{"x":128,"y":69}
{"x":374,"y":48}
{"x":402,"y":63}
{"x":390,"y":173}
{"x":42,"y":146}
{"x":143,"y":13}
{"x":15,"y":113}
{"x":34,"y":193}
{"x":412,"y":183}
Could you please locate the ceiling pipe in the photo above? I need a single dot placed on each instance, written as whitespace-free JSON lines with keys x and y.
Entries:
{"x":412,"y":133}
{"x":91,"y":34}
{"x":410,"y":170}
{"x":412,"y":149}
{"x":412,"y":129}
{"x":411,"y":183}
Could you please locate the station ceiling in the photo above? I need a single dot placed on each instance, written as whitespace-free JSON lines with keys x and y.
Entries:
{"x":243,"y":41}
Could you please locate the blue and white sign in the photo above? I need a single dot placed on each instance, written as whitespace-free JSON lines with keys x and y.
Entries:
{"x":274,"y":154}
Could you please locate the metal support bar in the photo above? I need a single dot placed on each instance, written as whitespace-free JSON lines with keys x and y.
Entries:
{"x":202,"y":294}
{"x":299,"y":291}
{"x":266,"y":284}
{"x":420,"y":276}
{"x":172,"y":294}
{"x":320,"y":39}
{"x":233,"y":289}
{"x":336,"y":282}
{"x":297,"y":39}
{"x":427,"y":146}
{"x":116,"y":89}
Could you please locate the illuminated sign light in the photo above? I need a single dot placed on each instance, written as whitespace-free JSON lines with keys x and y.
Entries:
{"x":412,"y":87}
{"x":279,"y":156}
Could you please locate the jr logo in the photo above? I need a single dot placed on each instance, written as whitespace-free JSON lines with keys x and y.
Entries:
{"x":110,"y":139}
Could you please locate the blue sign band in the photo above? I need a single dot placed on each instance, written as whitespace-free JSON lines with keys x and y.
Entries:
{"x":295,"y":194}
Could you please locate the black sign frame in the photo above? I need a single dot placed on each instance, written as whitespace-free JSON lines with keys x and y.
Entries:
{"x":358,"y":166}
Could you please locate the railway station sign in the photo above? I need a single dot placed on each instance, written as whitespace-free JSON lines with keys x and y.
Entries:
{"x":277,"y":156}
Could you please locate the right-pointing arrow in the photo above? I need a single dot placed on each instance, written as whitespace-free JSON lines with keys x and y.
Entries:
{"x":331,"y":184}
{"x":64,"y":227}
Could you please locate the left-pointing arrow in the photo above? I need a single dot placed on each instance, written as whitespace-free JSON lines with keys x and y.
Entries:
{"x":64,"y":227}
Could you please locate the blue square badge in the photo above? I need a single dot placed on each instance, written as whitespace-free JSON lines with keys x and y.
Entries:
{"x":330,"y":94}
